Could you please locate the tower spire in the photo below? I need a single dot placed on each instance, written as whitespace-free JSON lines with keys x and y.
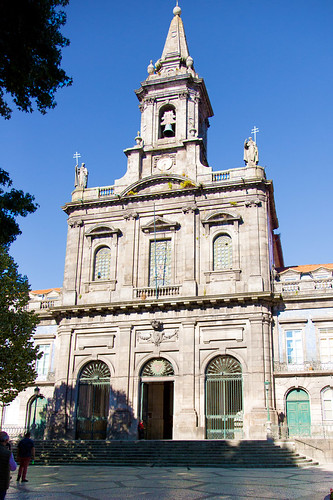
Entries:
{"x":175,"y":55}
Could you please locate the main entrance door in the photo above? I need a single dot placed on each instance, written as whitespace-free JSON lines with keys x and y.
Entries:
{"x":157,"y":399}
{"x":298,"y":413}
{"x":224,"y":399}
{"x":93,"y":402}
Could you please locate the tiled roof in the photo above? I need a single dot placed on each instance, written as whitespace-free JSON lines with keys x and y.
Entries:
{"x":306,"y":268}
{"x":47,"y":290}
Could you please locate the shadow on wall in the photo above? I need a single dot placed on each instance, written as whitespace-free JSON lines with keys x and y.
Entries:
{"x":89,"y":412}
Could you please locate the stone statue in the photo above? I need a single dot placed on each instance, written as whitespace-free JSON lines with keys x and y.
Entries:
{"x":251,"y":156}
{"x":81,"y":176}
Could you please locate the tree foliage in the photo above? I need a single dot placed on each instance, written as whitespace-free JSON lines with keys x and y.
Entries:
{"x":30,"y":53}
{"x":13,"y":203}
{"x":17,"y":325}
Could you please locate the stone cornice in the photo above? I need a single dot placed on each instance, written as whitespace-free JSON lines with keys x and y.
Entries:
{"x":170,"y":303}
{"x":222,"y":186}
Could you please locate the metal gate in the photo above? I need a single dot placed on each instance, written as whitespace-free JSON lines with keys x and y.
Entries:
{"x":93,"y":401}
{"x":224,"y":399}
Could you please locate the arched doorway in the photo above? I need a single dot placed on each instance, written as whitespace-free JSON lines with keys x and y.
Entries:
{"x":298,"y":413}
{"x":224,"y":398}
{"x":156,"y":410}
{"x":93,"y":401}
{"x":36,"y":416}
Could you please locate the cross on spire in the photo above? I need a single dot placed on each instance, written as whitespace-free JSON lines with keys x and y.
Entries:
{"x":77,"y":156}
{"x":254,"y":131}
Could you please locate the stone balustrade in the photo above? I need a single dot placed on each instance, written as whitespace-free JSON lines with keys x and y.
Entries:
{"x":306,"y":366}
{"x":304,"y":286}
{"x":150,"y":292}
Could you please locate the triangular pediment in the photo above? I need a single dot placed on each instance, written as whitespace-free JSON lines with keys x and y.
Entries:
{"x":160,"y":225}
{"x":290,"y":275}
{"x":322,"y":273}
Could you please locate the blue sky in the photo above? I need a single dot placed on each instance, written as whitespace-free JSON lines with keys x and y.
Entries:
{"x":265,"y":63}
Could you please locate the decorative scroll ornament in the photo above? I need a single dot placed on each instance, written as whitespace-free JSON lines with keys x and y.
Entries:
{"x":253,"y":203}
{"x":157,"y":337}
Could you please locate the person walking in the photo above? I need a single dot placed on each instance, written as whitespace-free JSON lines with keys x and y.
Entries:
{"x":7,"y":464}
{"x":25,"y":452}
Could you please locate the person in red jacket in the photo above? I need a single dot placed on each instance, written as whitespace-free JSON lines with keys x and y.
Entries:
{"x":25,"y":452}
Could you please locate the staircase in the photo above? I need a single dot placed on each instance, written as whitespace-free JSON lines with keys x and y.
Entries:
{"x":166,"y":453}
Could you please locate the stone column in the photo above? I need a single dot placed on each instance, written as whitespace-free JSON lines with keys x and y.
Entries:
{"x":71,"y":262}
{"x":188,"y":249}
{"x":61,"y":423}
{"x":259,"y":372}
{"x":122,"y":423}
{"x":186,"y":421}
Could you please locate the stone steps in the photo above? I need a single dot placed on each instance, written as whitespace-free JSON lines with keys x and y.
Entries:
{"x":165,"y":453}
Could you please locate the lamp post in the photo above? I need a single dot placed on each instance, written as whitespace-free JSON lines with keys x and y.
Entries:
{"x":268,"y":423}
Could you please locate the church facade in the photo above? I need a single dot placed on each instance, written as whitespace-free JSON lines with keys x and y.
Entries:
{"x":176,"y":309}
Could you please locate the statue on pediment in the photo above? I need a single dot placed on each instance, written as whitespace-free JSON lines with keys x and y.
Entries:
{"x":81,"y":176}
{"x":251,"y":156}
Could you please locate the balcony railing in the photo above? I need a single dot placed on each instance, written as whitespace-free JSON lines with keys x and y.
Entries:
{"x":46,"y":304}
{"x":106,"y":191}
{"x":304,"y":286}
{"x":307,"y":366}
{"x":162,"y":291}
{"x":222,"y":175}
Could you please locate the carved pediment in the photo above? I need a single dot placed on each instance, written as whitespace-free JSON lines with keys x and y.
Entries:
{"x":219,"y":218}
{"x":158,"y":183}
{"x":322,"y":273}
{"x":102,"y":230}
{"x":160,"y":225}
{"x":290,"y":275}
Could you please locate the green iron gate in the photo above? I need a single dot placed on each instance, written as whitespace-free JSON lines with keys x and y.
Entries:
{"x":224,"y":399}
{"x":93,"y":402}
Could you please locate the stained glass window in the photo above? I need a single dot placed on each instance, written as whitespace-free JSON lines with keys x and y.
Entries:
{"x":160,"y":263}
{"x":102,"y":264}
{"x":222,"y":252}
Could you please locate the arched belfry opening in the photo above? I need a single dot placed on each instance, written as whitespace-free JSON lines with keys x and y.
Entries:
{"x":93,"y":401}
{"x":156,"y":401}
{"x":224,"y":398}
{"x":167,"y":122}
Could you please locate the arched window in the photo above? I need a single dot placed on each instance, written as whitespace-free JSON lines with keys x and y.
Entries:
{"x":327,"y":403}
{"x":167,"y":122}
{"x":102,"y":264}
{"x":222,"y":252}
{"x":157,"y":367}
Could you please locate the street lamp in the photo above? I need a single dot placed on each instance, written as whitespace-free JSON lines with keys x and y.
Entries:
{"x":268,"y":423}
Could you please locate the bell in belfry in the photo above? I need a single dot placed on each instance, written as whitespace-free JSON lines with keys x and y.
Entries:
{"x":168,"y":123}
{"x":168,"y":131}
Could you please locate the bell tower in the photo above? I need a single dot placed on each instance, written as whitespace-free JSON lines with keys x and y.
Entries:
{"x":175,"y":111}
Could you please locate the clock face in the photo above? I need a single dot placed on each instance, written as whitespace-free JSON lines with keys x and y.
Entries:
{"x":164,"y":163}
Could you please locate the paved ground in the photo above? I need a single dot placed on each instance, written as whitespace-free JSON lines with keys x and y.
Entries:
{"x":101,"y":483}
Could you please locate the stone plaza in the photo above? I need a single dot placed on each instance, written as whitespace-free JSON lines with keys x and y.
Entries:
{"x":103,"y":483}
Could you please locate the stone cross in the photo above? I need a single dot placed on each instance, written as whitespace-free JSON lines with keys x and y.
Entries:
{"x":77,"y":156}
{"x":254,"y":131}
